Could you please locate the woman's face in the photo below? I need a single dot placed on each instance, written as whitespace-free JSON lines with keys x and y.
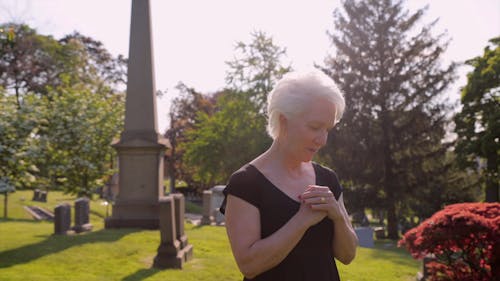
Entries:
{"x":305,"y":133}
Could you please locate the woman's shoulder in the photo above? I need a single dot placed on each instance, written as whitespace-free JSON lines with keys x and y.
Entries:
{"x":329,"y":175}
{"x":243,"y":174}
{"x":324,"y":170}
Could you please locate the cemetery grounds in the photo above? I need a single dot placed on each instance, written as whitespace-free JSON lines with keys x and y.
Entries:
{"x":30,"y":251}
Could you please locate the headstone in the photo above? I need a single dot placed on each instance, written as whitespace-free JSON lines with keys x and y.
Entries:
{"x":365,"y":236}
{"x":217,"y":199}
{"x":379,"y":232}
{"x":82,"y":210}
{"x":141,"y":149}
{"x":427,"y":259}
{"x":179,"y":210}
{"x":43,"y":196}
{"x":207,"y":218}
{"x":169,"y":253}
{"x":62,"y":218}
{"x":36,"y":195}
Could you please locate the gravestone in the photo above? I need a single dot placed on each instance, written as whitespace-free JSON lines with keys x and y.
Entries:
{"x":217,"y":199}
{"x":169,"y":252}
{"x":43,"y":196}
{"x":427,"y":259}
{"x":379,"y":232}
{"x":82,"y":210}
{"x":365,"y":236}
{"x":207,"y":218}
{"x":36,"y":195}
{"x":62,"y":218}
{"x":179,"y":210}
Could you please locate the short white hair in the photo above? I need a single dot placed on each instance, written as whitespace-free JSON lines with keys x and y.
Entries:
{"x":291,"y":93}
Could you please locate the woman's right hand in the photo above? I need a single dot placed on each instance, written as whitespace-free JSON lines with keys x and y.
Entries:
{"x":309,"y":216}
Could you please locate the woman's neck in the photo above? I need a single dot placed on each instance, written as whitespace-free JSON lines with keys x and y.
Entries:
{"x":278,"y":157}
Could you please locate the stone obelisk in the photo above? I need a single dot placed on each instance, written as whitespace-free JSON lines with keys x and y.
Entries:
{"x":140,"y":148}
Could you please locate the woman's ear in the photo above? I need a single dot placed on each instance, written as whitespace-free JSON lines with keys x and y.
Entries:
{"x":283,"y":125}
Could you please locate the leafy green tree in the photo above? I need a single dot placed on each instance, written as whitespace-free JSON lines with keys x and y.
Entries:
{"x":75,"y":133}
{"x":390,"y":140}
{"x":222,"y":141}
{"x":30,"y":62}
{"x":17,"y":127}
{"x":183,"y":118}
{"x":256,"y":67}
{"x":478,"y":123}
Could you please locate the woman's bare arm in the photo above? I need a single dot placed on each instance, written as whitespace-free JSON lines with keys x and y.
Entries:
{"x":253,"y":254}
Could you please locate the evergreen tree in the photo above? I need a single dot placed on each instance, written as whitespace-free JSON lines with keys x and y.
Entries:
{"x":390,"y":138}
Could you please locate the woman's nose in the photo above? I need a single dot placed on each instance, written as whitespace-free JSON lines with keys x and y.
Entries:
{"x":321,"y":138}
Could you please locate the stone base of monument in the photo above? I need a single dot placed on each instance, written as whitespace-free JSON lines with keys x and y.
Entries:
{"x":134,"y":214}
{"x":131,"y":223}
{"x":170,"y":256}
{"x":82,"y":228}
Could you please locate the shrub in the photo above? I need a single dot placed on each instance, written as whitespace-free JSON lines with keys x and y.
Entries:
{"x":465,"y":240}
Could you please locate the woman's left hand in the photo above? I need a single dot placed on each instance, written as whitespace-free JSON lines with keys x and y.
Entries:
{"x":321,"y":198}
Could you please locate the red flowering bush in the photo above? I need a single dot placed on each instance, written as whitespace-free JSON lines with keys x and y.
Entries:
{"x":465,"y":240}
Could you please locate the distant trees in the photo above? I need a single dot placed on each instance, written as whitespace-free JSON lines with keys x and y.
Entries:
{"x":61,"y":107}
{"x":390,"y":142}
{"x":222,"y":137}
{"x":478,"y":123}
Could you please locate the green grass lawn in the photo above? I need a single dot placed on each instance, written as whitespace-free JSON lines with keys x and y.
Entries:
{"x":29,"y":251}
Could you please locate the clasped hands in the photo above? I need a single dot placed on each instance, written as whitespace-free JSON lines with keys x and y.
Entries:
{"x":321,"y":199}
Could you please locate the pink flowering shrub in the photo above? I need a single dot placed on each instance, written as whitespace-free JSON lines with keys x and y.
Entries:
{"x":465,"y":240}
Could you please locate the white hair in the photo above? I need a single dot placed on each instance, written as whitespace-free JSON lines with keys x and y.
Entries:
{"x":291,"y":93}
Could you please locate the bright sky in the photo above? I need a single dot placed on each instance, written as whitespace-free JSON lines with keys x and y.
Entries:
{"x":193,"y":38}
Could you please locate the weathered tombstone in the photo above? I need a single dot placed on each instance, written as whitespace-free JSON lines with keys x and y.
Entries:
{"x":169,"y":253}
{"x":379,"y":232}
{"x":43,"y":196}
{"x":179,"y":210}
{"x":427,"y":259}
{"x":62,"y":218}
{"x":217,"y":198}
{"x":82,"y":210}
{"x":36,"y":195}
{"x":207,"y":218}
{"x":365,"y":236}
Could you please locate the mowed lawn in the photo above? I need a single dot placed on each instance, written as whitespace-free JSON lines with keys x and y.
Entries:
{"x":29,"y":251}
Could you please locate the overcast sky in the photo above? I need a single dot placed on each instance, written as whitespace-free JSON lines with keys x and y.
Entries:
{"x":193,"y":38}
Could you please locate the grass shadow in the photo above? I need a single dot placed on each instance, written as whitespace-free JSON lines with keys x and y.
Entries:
{"x":141,"y":274}
{"x":57,"y":243}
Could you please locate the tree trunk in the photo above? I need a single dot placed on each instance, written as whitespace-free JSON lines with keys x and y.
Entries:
{"x":392,"y":220}
{"x":5,"y":200}
{"x":492,"y":181}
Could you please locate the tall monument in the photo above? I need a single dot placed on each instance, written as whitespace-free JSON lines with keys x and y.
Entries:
{"x":140,"y":148}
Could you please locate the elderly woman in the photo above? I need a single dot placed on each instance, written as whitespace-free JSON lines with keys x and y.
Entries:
{"x":285,"y":215}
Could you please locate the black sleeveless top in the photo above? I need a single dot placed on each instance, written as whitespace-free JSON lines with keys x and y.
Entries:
{"x":312,"y":258}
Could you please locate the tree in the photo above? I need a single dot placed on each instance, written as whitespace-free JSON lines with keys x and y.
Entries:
{"x":184,"y":114}
{"x":478,"y":123}
{"x":17,"y":127}
{"x":75,"y":133}
{"x":256,"y":67}
{"x":222,"y":141}
{"x":30,"y":62}
{"x":390,"y":138}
